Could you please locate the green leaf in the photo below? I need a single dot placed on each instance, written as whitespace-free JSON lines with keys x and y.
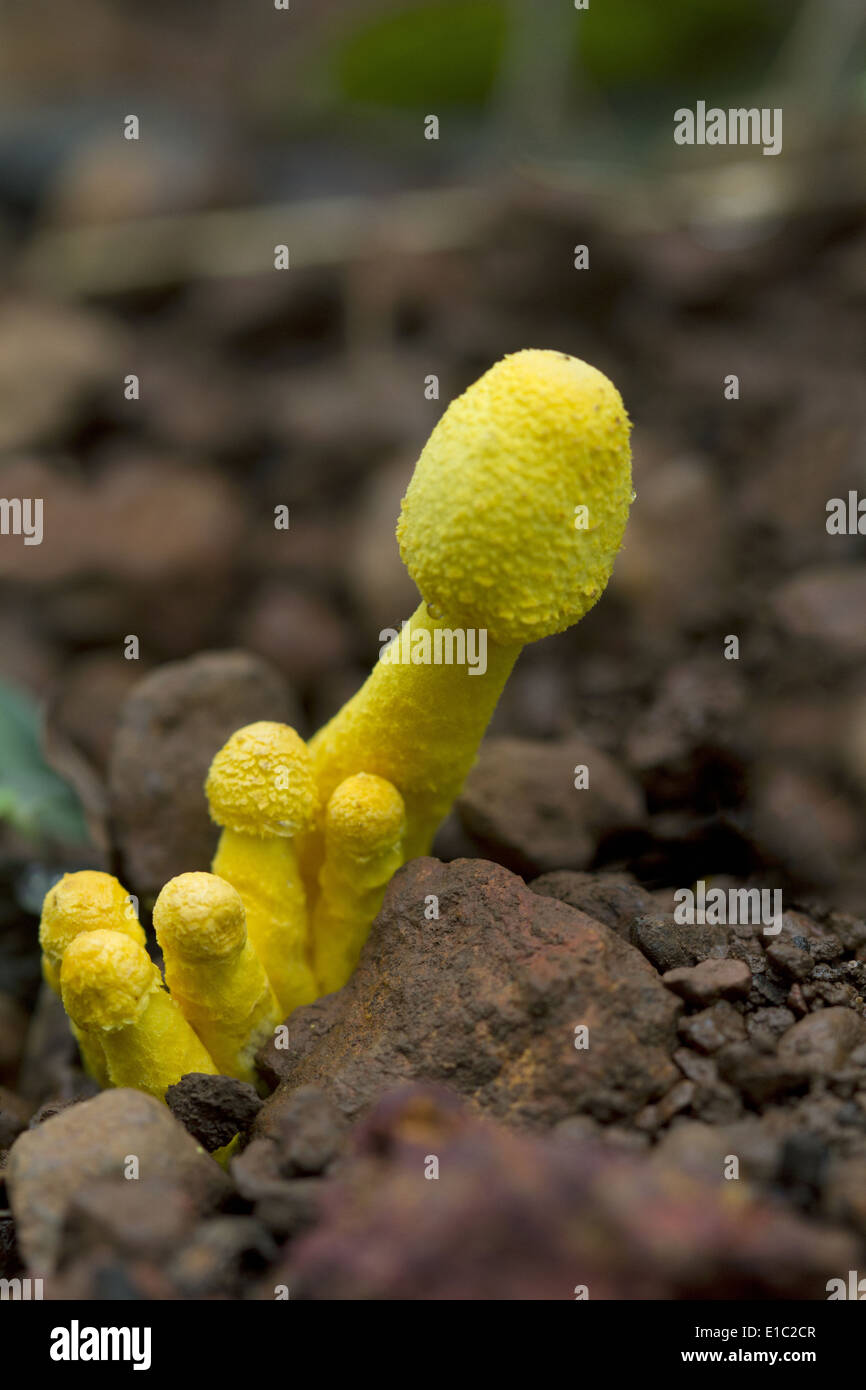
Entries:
{"x":443,"y":54}
{"x":33,"y":799}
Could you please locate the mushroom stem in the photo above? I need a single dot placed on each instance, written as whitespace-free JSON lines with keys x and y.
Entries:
{"x":213,"y":971}
{"x":267,"y":876}
{"x":111,"y":988}
{"x":418,"y":726}
{"x":260,"y":789}
{"x":364,"y":827}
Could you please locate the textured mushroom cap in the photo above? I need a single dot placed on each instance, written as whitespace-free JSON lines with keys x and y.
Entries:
{"x":487,"y":526}
{"x":201,"y":917}
{"x":365,"y":816}
{"x":85,"y":902}
{"x":261,"y":782}
{"x":106,"y":979}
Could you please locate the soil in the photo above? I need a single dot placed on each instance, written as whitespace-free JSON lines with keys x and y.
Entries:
{"x":441,"y":1127}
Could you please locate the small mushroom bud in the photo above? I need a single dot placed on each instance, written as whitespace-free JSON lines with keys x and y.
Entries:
{"x":365,"y":822}
{"x":213,"y":972}
{"x":84,"y":902}
{"x":261,"y":790}
{"x":112,"y":989}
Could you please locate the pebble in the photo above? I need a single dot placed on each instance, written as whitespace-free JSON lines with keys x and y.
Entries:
{"x":213,"y":1108}
{"x":96,"y":1139}
{"x":712,"y":1028}
{"x":821,"y":1042}
{"x":521,"y":805}
{"x":670,"y":945}
{"x":710,"y":980}
{"x":306,"y":1127}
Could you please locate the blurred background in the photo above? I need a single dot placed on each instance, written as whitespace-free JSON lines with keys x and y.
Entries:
{"x":413,"y":258}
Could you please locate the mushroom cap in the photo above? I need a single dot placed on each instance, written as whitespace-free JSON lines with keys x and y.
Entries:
{"x":200,"y":917}
{"x":261,"y":782}
{"x":487,"y":526}
{"x":365,"y":816}
{"x":106,"y":979}
{"x":84,"y":902}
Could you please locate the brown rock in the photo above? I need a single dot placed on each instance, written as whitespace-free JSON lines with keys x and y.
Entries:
{"x":256,"y":1170}
{"x":804,"y":823}
{"x":714,"y":1027}
{"x":614,"y":899}
{"x":95,"y":1139}
{"x":100,"y":1276}
{"x":697,"y":1068}
{"x":150,"y":519}
{"x":759,"y":1076}
{"x":679,"y":1097}
{"x":152,"y":524}
{"x":673,"y":533}
{"x":790,"y":960}
{"x":145,"y":1219}
{"x":704,"y":1150}
{"x":670,"y":945}
{"x":169,"y":730}
{"x":696,"y":701}
{"x":825,"y":605}
{"x":213,"y":1108}
{"x":52,"y":356}
{"x":513,"y":1217}
{"x":284,"y":1205}
{"x":521,"y":806}
{"x":300,"y":633}
{"x":487,"y":997}
{"x":293,"y":1209}
{"x":850,"y":930}
{"x":307,"y":1128}
{"x":771,"y":1021}
{"x":221,"y":1256}
{"x":712,"y":1099}
{"x":822,"y":1042}
{"x":710,"y":980}
{"x":802,"y":931}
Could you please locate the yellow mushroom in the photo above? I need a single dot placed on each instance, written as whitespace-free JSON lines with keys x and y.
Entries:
{"x":261,"y":791}
{"x":490,"y":532}
{"x":84,"y":902}
{"x":365,"y":822}
{"x":213,"y":972}
{"x":111,"y":988}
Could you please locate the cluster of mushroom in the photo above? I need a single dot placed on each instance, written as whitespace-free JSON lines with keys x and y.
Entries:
{"x":312,"y":834}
